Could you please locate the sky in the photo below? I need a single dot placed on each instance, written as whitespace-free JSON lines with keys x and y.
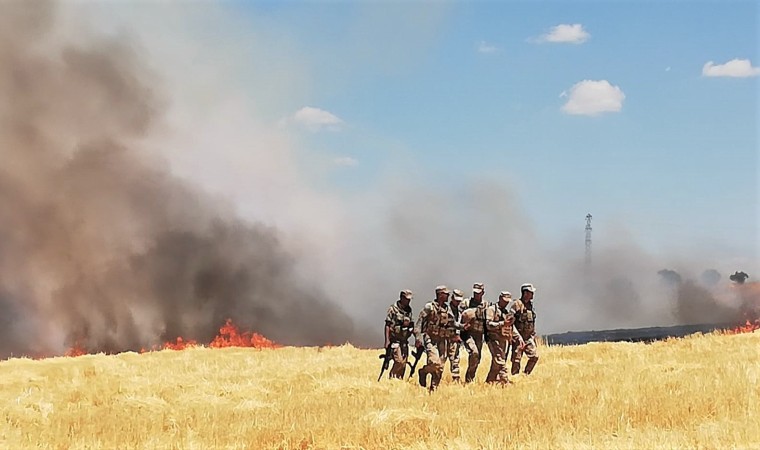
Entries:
{"x":403,"y":145}
{"x":461,"y":90}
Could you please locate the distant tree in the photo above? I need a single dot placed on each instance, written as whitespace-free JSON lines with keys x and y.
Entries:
{"x":739,"y":277}
{"x":710,"y":277}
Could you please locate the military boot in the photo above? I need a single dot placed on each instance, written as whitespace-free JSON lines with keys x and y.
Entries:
{"x":423,"y":378}
{"x":530,"y":365}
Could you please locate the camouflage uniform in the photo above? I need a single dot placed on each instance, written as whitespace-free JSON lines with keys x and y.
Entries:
{"x":434,"y":327}
{"x":399,"y":320}
{"x":500,"y":328}
{"x":473,"y":321}
{"x":455,"y":329}
{"x":525,"y":322}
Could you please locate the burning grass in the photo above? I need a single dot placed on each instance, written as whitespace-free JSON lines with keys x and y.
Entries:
{"x":697,"y":392}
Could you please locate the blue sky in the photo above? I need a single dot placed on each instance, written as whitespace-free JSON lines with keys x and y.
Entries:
{"x":460,"y":91}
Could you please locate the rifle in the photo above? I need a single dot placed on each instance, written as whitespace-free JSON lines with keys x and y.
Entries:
{"x":485,"y":324}
{"x":417,"y":353}
{"x":386,"y":357}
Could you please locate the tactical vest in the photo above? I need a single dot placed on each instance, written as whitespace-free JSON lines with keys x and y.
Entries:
{"x":401,"y":323}
{"x":454,"y":314}
{"x":496,"y":314}
{"x":525,"y":322}
{"x":478,"y":325}
{"x":437,"y":323}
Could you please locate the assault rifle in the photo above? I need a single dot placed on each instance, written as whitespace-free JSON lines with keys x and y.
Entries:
{"x":417,"y":353}
{"x":387,"y":357}
{"x":485,"y":323}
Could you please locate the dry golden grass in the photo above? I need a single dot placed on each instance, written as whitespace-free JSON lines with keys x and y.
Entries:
{"x":697,"y":392}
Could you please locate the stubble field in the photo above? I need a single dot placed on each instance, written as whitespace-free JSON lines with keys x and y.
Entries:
{"x":692,"y":393}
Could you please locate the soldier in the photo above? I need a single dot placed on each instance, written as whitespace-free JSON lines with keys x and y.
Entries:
{"x":473,"y":328}
{"x":525,"y":322}
{"x":434,"y":328}
{"x":455,"y":311}
{"x":501,"y":329}
{"x":399,"y":326}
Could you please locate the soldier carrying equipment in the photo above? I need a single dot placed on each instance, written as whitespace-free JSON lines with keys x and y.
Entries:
{"x":433,"y":327}
{"x":473,"y":325}
{"x":525,"y":323}
{"x":500,"y":330}
{"x":399,"y":327}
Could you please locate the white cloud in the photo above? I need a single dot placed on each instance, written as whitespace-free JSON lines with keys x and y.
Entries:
{"x":345,"y":161}
{"x":737,"y":68}
{"x":590,"y":98}
{"x":565,"y":33}
{"x":316,"y":119}
{"x":484,"y":47}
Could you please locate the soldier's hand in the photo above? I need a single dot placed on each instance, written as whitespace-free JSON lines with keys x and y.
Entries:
{"x":418,"y":344}
{"x":457,"y":339}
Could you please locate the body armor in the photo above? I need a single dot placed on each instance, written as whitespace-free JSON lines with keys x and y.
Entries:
{"x":401,"y":323}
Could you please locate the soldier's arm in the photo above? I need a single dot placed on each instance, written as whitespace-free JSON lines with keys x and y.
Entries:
{"x":418,"y":327}
{"x":517,"y":336}
{"x":389,"y":322}
{"x":492,"y":324}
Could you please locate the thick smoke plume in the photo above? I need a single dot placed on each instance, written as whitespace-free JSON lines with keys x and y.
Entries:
{"x":99,"y":243}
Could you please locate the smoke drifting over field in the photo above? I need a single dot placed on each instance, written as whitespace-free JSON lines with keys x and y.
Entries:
{"x":143,"y":199}
{"x":98,"y":241}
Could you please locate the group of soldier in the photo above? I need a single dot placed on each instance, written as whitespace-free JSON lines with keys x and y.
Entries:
{"x":450,"y":322}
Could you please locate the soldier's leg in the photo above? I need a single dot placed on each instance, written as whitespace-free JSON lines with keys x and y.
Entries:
{"x":516,"y":358}
{"x":436,"y":371}
{"x":400,"y":356}
{"x":433,"y":360}
{"x":479,"y":344}
{"x":454,"y":360}
{"x":473,"y":359}
{"x":501,"y":357}
{"x":493,"y":348}
{"x":532,"y":353}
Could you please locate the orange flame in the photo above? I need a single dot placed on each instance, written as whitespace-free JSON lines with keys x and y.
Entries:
{"x":76,"y":350}
{"x":748,"y":327}
{"x":750,"y":307}
{"x":229,"y":336}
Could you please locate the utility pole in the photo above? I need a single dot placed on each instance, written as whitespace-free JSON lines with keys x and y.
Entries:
{"x":588,"y":243}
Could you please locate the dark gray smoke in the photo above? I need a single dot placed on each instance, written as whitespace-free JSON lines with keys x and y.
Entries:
{"x":695,"y":303}
{"x":99,"y":243}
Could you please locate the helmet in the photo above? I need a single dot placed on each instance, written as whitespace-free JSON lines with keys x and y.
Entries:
{"x":527,"y":287}
{"x":441,"y":289}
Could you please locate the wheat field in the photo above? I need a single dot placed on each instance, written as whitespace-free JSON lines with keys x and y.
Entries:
{"x":692,"y":393}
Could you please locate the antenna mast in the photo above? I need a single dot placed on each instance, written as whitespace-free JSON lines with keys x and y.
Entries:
{"x":588,"y":241}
